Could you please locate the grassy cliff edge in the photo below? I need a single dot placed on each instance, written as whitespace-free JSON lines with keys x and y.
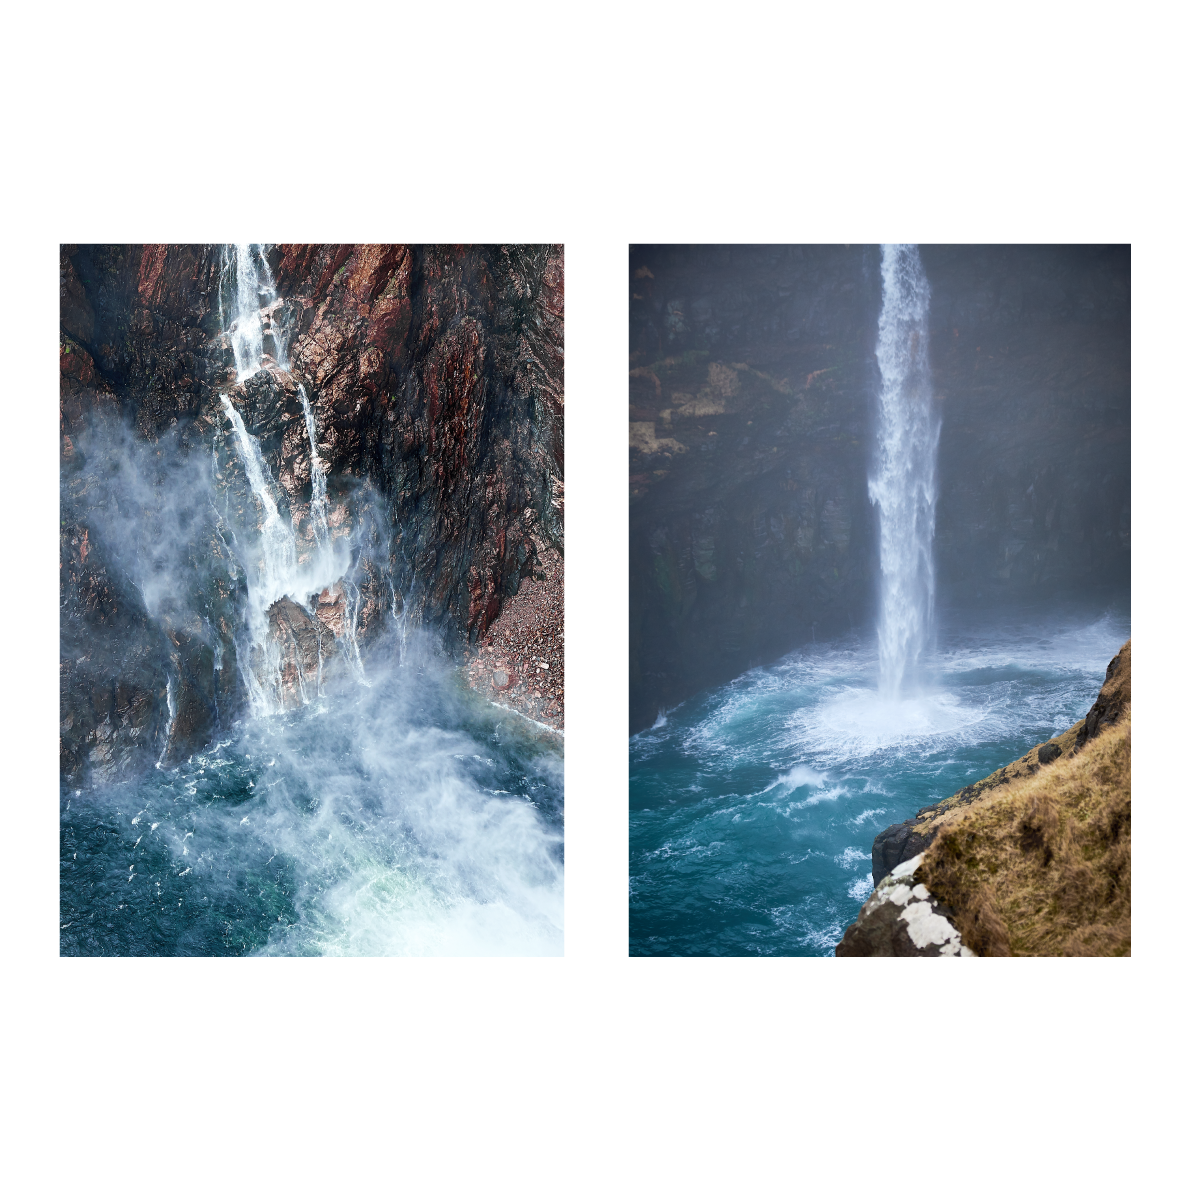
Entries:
{"x":1035,"y":858}
{"x":1042,"y":865}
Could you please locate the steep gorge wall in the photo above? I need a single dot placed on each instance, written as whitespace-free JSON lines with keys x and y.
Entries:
{"x":435,"y":377}
{"x":752,"y":388}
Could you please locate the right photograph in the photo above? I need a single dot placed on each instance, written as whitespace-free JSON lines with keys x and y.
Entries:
{"x":879,"y":600}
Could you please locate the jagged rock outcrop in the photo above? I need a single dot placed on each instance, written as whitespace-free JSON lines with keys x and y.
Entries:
{"x":435,"y":381}
{"x":1033,"y":859}
{"x":752,"y":384}
{"x":1116,"y":696}
{"x":902,"y":920}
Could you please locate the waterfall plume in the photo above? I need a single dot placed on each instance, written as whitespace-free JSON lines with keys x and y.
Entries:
{"x":903,"y":483}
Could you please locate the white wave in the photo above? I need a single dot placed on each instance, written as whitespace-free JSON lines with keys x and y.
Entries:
{"x":870,"y":812}
{"x":798,"y":777}
{"x":849,"y":857}
{"x":860,"y":889}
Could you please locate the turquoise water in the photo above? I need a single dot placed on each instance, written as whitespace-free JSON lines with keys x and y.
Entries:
{"x":753,"y":806}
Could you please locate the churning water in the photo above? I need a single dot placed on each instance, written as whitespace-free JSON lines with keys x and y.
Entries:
{"x":753,"y":806}
{"x":396,"y":819}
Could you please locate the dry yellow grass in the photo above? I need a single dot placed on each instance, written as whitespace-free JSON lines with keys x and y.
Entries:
{"x":1040,"y":866}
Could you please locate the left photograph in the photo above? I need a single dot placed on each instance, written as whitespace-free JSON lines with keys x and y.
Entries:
{"x":311,"y":600}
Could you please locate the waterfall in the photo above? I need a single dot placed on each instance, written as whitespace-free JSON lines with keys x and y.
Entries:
{"x":276,"y":573}
{"x":273,"y":575}
{"x":356,"y":595}
{"x":279,"y":567}
{"x":320,"y":506}
{"x":903,"y":484}
{"x":275,"y":570}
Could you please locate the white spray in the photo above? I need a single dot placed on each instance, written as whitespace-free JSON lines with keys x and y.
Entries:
{"x":903,"y":485}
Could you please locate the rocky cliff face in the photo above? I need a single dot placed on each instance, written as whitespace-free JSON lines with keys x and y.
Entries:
{"x":434,"y":376}
{"x":1033,"y":859}
{"x":752,"y":385}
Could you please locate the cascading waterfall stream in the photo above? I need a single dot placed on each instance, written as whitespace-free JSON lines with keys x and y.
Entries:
{"x":276,"y":574}
{"x":320,"y":506}
{"x":903,"y":485}
{"x":279,"y":569}
{"x":172,"y":710}
{"x":271,"y":576}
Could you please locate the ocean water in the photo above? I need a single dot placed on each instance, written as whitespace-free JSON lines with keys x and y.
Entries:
{"x":753,"y":806}
{"x":399,"y":818}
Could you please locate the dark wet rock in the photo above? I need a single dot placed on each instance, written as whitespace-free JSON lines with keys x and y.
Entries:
{"x":896,"y":844}
{"x":77,"y":317}
{"x":113,"y":680}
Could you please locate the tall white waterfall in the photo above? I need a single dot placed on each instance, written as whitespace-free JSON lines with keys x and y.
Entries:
{"x":903,"y":484}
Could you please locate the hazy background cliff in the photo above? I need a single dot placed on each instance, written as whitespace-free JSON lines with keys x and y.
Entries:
{"x":752,"y":385}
